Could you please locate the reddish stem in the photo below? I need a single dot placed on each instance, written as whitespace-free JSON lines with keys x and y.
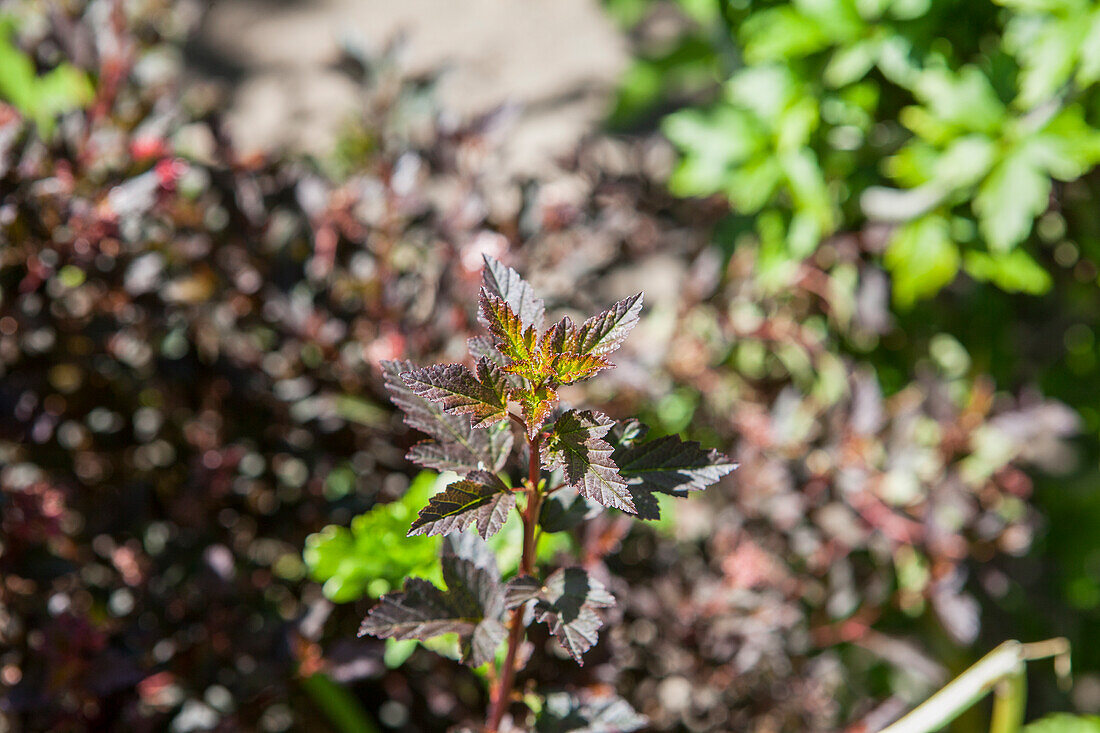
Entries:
{"x":502,"y":691}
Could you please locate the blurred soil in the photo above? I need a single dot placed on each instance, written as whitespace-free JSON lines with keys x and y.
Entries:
{"x":555,"y":61}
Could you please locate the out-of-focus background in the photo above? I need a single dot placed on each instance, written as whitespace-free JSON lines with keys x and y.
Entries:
{"x":868,"y":236}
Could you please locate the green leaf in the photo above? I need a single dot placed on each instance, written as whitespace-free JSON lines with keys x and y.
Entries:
{"x":965,"y":100}
{"x":480,"y":498}
{"x":781,"y":33}
{"x":1064,"y":723}
{"x":576,"y":444}
{"x":965,"y":161}
{"x":566,"y":602}
{"x":1047,"y":59}
{"x":765,"y":90}
{"x":459,"y":392}
{"x":41,"y":98}
{"x":1015,"y":192}
{"x":536,"y":404}
{"x":455,"y":445}
{"x":851,"y":63}
{"x":922,"y":259}
{"x":712,"y":143}
{"x":1014,"y":272}
{"x":372,"y":555}
{"x":751,"y":185}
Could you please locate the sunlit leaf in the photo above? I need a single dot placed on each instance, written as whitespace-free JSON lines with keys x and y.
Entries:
{"x":577,"y":445}
{"x":480,"y":498}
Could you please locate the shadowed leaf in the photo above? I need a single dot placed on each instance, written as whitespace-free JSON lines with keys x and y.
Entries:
{"x":672,"y":466}
{"x":566,"y":603}
{"x":470,"y":606}
{"x":565,"y":509}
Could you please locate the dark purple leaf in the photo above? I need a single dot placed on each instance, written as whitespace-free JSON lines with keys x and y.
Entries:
{"x":459,"y":392}
{"x":576,"y":444}
{"x":603,"y":333}
{"x":506,"y":284}
{"x":480,"y":498}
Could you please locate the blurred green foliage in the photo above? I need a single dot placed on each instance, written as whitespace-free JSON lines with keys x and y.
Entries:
{"x":952,"y":122}
{"x":41,"y":97}
{"x":1062,"y":723}
{"x":373,"y":555}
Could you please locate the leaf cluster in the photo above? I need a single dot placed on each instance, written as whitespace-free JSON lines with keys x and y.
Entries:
{"x":468,"y":413}
{"x":842,"y":113}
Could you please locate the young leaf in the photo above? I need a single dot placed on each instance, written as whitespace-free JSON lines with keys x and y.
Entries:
{"x":455,"y":445}
{"x":517,"y":341}
{"x":480,"y":498}
{"x":672,"y":466}
{"x":563,"y":712}
{"x":459,"y":392}
{"x":577,"y":445}
{"x":570,"y":367}
{"x":536,"y":405}
{"x":506,"y":284}
{"x":603,"y":333}
{"x":567,"y":603}
{"x":470,"y":606}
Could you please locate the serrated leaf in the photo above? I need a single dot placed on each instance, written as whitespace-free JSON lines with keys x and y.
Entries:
{"x":517,"y":341}
{"x":481,"y":647}
{"x":459,"y":392}
{"x":482,"y":347}
{"x":456,"y":445}
{"x":672,"y":466}
{"x":569,"y":367}
{"x":536,"y":405}
{"x":605,"y":332}
{"x":566,"y":602}
{"x":521,"y":589}
{"x":563,"y":712}
{"x":420,"y":611}
{"x":560,"y":337}
{"x":506,"y":284}
{"x":577,"y":445}
{"x":481,"y":498}
{"x":491,"y":376}
{"x":470,"y":606}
